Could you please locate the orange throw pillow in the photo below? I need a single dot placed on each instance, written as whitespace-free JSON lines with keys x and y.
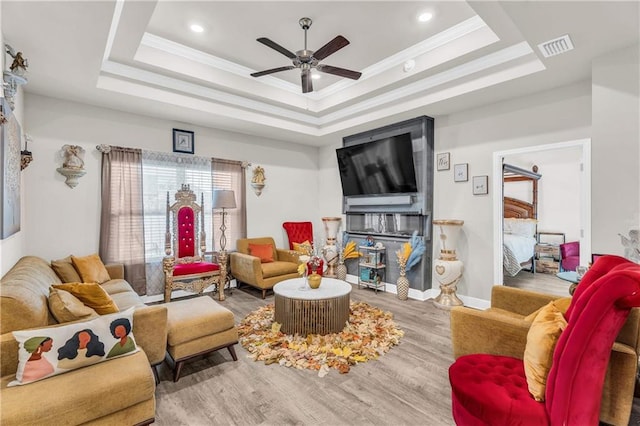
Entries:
{"x":91,"y":269}
{"x":92,"y":295}
{"x":263,"y":251}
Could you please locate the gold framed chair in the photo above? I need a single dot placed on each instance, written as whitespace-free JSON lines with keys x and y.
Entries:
{"x":184,"y":265}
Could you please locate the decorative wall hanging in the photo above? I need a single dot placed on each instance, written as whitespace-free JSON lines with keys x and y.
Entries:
{"x":25,"y":155}
{"x":257,"y":181}
{"x":183,"y":141}
{"x":73,"y":165}
{"x":480,"y":185}
{"x":461,"y":172}
{"x":15,"y":76}
{"x":10,"y":172}
{"x":442,"y":161}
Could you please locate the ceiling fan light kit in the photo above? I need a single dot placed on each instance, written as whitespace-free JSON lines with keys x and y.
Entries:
{"x":307,"y":60}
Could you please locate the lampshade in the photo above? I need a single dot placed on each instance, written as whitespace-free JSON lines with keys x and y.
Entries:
{"x":223,"y":199}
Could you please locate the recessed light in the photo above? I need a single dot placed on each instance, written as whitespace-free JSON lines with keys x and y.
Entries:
{"x":424,"y":17}
{"x":196,"y":28}
{"x":315,"y":76}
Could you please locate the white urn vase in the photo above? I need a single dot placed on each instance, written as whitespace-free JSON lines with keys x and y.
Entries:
{"x":330,"y":250}
{"x":448,"y":269}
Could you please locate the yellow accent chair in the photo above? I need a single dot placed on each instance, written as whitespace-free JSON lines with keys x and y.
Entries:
{"x":261,"y":266}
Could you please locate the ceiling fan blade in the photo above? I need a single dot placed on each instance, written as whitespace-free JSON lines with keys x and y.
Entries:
{"x":271,"y":71}
{"x":276,"y":46}
{"x":307,"y":85}
{"x":333,"y":46}
{"x":342,"y":72}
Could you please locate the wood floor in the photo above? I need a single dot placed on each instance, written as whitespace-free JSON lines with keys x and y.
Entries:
{"x":544,"y":283}
{"x":408,"y":385}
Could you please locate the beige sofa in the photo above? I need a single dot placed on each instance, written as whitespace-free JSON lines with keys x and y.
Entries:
{"x":248,"y":269}
{"x":117,"y":391}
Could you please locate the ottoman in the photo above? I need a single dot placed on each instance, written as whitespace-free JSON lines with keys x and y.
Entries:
{"x":196,"y":327}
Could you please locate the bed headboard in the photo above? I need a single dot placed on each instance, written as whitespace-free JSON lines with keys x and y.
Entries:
{"x":518,"y":209}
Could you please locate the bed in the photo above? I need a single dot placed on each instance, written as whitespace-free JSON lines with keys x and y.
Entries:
{"x":520,"y":222}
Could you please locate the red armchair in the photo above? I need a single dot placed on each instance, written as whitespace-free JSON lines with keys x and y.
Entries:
{"x":570,"y":256}
{"x":298,"y":232}
{"x":492,"y":389}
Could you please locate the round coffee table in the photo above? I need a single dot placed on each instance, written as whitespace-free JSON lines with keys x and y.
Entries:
{"x":313,"y":311}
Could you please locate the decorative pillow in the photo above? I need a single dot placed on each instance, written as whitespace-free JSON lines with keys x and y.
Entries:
{"x":541,"y":342}
{"x":562,"y":304}
{"x":303,"y":248}
{"x":65,"y":270}
{"x":92,"y":295}
{"x":263,"y":251}
{"x":522,"y":227}
{"x":91,"y":269}
{"x":50,"y":351}
{"x":65,"y":307}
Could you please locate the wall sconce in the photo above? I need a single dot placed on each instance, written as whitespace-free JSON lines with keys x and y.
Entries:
{"x":15,"y":76}
{"x":73,"y":166}
{"x":25,"y":155}
{"x":257,"y":181}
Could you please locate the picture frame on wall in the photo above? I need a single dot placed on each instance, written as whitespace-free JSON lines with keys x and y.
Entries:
{"x":442,"y":161}
{"x":461,"y":172}
{"x":480,"y":185}
{"x":183,"y":141}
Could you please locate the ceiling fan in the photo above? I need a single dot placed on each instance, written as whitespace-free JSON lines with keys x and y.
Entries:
{"x":308,"y":59}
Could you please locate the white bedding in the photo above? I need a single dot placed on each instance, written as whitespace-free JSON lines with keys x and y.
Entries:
{"x":517,"y":249}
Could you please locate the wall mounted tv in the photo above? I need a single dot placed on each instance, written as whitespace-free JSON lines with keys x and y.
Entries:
{"x":383,"y":166}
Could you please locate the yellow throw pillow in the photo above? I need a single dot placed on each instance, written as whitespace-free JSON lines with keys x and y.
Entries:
{"x":562,"y":304}
{"x":65,"y":307}
{"x":91,"y":269}
{"x":303,"y":247}
{"x":92,"y":295}
{"x":541,"y":342}
{"x":65,"y":270}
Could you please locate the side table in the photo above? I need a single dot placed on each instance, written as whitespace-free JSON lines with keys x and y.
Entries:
{"x":572,"y":277}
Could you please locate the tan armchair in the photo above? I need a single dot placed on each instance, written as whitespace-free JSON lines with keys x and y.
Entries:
{"x":502,"y":330}
{"x":249,"y":269}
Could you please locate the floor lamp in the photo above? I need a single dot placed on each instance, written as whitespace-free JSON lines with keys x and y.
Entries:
{"x":223,"y":199}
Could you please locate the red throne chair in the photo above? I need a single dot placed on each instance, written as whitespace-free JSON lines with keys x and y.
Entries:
{"x":184,"y":267}
{"x":492,"y":389}
{"x":300,"y":232}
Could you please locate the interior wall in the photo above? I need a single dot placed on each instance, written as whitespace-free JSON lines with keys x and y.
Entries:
{"x":61,"y":220}
{"x":471,"y":137}
{"x":616,"y":148}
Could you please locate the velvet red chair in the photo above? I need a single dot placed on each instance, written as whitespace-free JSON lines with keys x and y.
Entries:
{"x":298,"y":232}
{"x":570,"y":256}
{"x":185,"y":244}
{"x":492,"y":389}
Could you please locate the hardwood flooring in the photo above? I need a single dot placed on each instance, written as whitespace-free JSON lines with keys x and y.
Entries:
{"x":543,"y":283}
{"x":408,"y":385}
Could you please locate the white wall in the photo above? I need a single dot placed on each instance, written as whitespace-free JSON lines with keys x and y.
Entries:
{"x":60,"y":220}
{"x":616,"y":148}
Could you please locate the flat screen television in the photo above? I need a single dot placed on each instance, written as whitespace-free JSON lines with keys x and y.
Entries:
{"x":383,"y":166}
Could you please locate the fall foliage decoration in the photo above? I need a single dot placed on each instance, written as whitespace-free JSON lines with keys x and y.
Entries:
{"x":349,"y":251}
{"x":369,"y":334}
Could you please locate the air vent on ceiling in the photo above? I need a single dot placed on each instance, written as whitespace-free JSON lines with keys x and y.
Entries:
{"x":556,"y":46}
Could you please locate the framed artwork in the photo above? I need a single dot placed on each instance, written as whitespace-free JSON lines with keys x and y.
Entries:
{"x":480,"y":185}
{"x":10,"y":143}
{"x":182,"y":141}
{"x":461,"y":172}
{"x":442,"y":161}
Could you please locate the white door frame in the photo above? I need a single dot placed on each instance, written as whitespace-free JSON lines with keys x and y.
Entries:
{"x":585,"y":200}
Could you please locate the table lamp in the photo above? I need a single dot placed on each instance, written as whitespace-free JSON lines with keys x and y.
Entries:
{"x":223,"y":199}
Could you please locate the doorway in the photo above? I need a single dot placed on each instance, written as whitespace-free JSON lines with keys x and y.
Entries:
{"x":584,"y":147}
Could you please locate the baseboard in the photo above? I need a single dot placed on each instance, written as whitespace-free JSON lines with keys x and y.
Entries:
{"x":428,"y":294}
